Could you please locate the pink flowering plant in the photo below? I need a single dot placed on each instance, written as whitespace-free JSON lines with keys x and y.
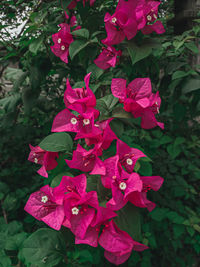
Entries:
{"x":97,"y":181}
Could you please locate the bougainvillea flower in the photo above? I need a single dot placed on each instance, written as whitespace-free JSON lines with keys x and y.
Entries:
{"x":65,"y":121}
{"x":118,"y":26}
{"x":147,"y":18}
{"x":123,"y":187}
{"x":43,"y":206}
{"x":121,"y":183}
{"x":103,"y":140}
{"x":139,"y":199}
{"x":45,"y":158}
{"x":81,"y":99}
{"x":139,"y":100}
{"x":101,"y":218}
{"x":108,"y":58}
{"x":86,"y":161}
{"x":62,"y":40}
{"x":80,"y":207}
{"x":118,"y":244}
{"x":128,"y":155}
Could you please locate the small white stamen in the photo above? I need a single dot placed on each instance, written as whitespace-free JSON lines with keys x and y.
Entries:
{"x":155,"y":16}
{"x":122,"y":186}
{"x":44,"y":199}
{"x":114,"y":20}
{"x":75,"y":211}
{"x":157,"y":107}
{"x":129,"y":161}
{"x":35,"y":160}
{"x":62,"y":47}
{"x":114,"y":177}
{"x":96,"y":125}
{"x":59,"y":40}
{"x":73,"y":121}
{"x":34,"y":154}
{"x":86,"y":121}
{"x":149,"y":18}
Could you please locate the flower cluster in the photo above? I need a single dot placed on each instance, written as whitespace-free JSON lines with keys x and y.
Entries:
{"x":129,"y":17}
{"x":63,"y":38}
{"x":69,"y":204}
{"x":138,"y":99}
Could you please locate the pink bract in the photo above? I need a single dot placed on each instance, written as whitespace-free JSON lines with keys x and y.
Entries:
{"x":44,"y":207}
{"x":79,"y":206}
{"x":62,"y":40}
{"x":139,"y":199}
{"x":82,"y":99}
{"x":108,"y":58}
{"x":128,"y":156}
{"x":139,"y":100}
{"x":118,"y":244}
{"x":45,"y":158}
{"x":86,"y":161}
{"x":148,"y":18}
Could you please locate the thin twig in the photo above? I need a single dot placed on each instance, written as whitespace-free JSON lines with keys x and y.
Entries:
{"x":4,"y":213}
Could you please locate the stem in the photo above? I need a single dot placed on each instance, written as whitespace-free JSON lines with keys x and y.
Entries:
{"x":4,"y":213}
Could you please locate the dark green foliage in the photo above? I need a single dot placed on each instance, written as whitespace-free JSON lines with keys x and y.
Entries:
{"x":27,"y":109}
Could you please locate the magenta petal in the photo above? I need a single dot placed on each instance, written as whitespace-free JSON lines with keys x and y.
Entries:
{"x":116,"y":258}
{"x":118,"y":88}
{"x":138,"y":246}
{"x":81,"y":222}
{"x":42,"y":171}
{"x":55,"y":219}
{"x":62,"y":122}
{"x":99,"y":168}
{"x":155,"y":182}
{"x":149,"y":120}
{"x":90,"y":238}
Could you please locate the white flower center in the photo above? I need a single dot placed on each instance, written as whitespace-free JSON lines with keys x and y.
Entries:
{"x":75,"y":211}
{"x":59,"y":40}
{"x":122,"y":186}
{"x":62,"y":47}
{"x":44,"y":199}
{"x":149,"y":18}
{"x":73,"y":121}
{"x":155,"y":16}
{"x":129,"y":161}
{"x":86,"y":121}
{"x":96,"y":125}
{"x":114,"y":20}
{"x":35,"y":160}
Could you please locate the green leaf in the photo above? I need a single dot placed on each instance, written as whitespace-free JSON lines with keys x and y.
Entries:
{"x":173,"y":150}
{"x":145,"y":168}
{"x":84,"y":33}
{"x":128,"y":220}
{"x":119,"y":112}
{"x":175,"y":217}
{"x":44,"y":248}
{"x":57,"y":142}
{"x":36,"y":44}
{"x":158,"y":214}
{"x":76,"y":47}
{"x":118,"y":127}
{"x":179,"y":74}
{"x":96,"y":71}
{"x":57,"y":179}
{"x":192,"y":47}
{"x":138,"y":53}
{"x":4,"y":260}
{"x":191,"y":85}
{"x":14,"y":242}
